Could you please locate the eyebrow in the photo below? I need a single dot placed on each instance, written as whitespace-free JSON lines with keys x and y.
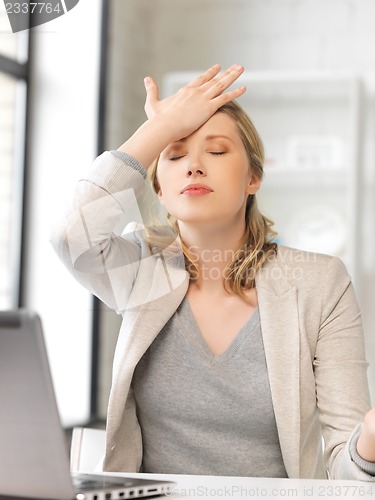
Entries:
{"x":207,"y":138}
{"x":218,"y":136}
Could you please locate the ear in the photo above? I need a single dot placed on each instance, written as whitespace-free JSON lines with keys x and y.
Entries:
{"x":160,"y":196}
{"x":253,"y":184}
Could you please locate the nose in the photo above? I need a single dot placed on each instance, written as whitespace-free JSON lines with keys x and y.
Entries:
{"x":195,"y":168}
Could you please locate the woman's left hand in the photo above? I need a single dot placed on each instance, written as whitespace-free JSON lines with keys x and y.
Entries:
{"x":366,"y":441}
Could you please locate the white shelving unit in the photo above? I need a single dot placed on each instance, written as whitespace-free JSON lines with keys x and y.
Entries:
{"x":310,"y":126}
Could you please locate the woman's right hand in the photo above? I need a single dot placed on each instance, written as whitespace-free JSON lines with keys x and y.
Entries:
{"x":182,"y":113}
{"x":190,"y":107}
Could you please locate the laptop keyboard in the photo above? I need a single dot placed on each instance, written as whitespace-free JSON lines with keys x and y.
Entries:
{"x":86,"y":484}
{"x":122,"y":488}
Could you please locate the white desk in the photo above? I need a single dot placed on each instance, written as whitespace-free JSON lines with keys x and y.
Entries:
{"x":226,"y":488}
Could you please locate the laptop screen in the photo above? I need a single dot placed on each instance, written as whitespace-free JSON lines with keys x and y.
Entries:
{"x":33,"y":450}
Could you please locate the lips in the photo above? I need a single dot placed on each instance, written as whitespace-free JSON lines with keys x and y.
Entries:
{"x":196,"y":190}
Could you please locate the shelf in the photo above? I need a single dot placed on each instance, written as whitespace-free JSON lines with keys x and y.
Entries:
{"x":305,"y":178}
{"x":298,"y":87}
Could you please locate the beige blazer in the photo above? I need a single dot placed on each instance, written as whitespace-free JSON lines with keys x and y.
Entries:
{"x":310,"y":322}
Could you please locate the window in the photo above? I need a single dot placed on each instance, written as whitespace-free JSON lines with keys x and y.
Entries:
{"x":13,"y":88}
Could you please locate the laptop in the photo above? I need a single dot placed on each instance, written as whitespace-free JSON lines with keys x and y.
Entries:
{"x":34,"y":459}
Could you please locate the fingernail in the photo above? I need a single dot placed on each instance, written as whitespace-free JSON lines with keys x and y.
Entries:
{"x":238,"y":67}
{"x":147,"y":80}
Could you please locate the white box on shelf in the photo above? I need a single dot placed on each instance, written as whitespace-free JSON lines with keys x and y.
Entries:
{"x":315,"y":152}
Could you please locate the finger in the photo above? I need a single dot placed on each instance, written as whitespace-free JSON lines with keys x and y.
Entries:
{"x":205,"y":77}
{"x":219,"y":84}
{"x":152,"y":90}
{"x":226,"y":97}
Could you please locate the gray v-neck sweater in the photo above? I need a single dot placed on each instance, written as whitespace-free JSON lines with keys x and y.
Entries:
{"x":206,"y":414}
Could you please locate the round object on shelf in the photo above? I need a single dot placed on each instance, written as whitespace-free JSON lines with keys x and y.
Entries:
{"x":319,"y":229}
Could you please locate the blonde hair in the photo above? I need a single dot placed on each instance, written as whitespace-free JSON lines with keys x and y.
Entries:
{"x":257,"y":243}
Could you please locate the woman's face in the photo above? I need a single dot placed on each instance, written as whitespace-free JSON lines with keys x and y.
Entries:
{"x":205,"y":178}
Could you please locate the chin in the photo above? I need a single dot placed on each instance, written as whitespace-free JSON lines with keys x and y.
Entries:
{"x":200,"y":219}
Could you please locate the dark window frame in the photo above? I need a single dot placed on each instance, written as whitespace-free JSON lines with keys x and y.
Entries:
{"x":101,"y":134}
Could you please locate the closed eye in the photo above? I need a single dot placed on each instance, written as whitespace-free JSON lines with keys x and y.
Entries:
{"x":175,"y":158}
{"x":178,"y":157}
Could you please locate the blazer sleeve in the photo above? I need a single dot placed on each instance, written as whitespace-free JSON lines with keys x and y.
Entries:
{"x":341,"y":373}
{"x":89,"y":238}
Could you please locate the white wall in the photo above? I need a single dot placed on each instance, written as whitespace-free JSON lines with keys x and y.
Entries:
{"x":63,"y":125}
{"x":165,"y":36}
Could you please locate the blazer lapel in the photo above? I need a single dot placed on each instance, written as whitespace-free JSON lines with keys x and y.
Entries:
{"x":280,"y":330}
{"x":159,"y":297}
{"x":168,"y":286}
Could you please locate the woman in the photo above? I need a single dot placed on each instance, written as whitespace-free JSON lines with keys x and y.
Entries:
{"x":235,"y":356}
